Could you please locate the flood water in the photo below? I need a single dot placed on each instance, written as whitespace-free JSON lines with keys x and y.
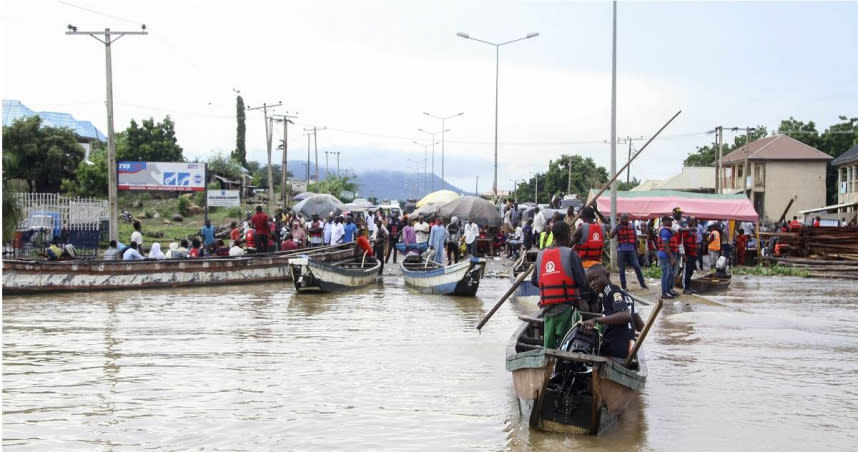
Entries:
{"x":773,"y":366}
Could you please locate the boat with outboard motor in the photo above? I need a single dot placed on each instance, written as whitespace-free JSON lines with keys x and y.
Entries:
{"x":21,"y":276}
{"x":313,"y":275}
{"x":462,"y":278}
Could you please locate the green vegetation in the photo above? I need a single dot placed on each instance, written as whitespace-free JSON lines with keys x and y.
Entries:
{"x":45,"y":155}
{"x":334,"y":185}
{"x":11,"y":209}
{"x":585,"y":175}
{"x":239,"y":154}
{"x":653,"y":271}
{"x":150,"y":143}
{"x":770,"y":270}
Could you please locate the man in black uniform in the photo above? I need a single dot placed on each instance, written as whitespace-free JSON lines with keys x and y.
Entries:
{"x":619,"y":335}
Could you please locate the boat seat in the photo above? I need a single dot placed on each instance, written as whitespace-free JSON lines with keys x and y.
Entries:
{"x":527,"y":318}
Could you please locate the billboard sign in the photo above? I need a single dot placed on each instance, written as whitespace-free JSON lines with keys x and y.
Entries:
{"x":223,"y":198}
{"x":162,"y":176}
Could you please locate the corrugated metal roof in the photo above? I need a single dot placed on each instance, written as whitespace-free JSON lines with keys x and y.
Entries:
{"x":14,"y":109}
{"x":776,"y":147}
{"x":692,"y":178}
{"x":649,"y":184}
{"x":849,"y":156}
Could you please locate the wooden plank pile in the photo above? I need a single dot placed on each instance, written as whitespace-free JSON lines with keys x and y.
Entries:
{"x":822,"y":251}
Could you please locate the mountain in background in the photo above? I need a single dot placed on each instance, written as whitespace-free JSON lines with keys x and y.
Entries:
{"x":381,"y":184}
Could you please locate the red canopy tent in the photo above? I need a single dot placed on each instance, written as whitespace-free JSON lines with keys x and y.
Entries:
{"x":642,"y":205}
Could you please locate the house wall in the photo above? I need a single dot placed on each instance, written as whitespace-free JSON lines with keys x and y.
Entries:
{"x":847,"y":185}
{"x":787,"y":178}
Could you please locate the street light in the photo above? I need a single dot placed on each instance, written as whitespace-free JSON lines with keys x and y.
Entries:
{"x":443,"y":119}
{"x":432,"y":134}
{"x":497,"y":66}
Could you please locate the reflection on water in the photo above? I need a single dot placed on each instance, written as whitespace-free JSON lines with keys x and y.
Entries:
{"x":261,"y":367}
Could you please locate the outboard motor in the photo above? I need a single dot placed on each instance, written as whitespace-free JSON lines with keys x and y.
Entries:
{"x":574,"y":375}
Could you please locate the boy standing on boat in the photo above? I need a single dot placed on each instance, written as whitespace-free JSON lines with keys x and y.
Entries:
{"x":560,"y":277}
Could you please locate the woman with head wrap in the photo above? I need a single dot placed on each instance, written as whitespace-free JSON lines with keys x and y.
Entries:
{"x":155,"y":252}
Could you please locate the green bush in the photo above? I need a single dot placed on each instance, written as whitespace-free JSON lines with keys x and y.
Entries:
{"x":233,"y":212}
{"x":184,"y":206}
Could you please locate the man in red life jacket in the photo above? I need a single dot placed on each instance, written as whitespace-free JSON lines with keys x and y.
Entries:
{"x":589,"y":238}
{"x":626,"y":249}
{"x":794,"y":225}
{"x":250,"y":241}
{"x":363,"y":244}
{"x":560,"y":277}
{"x":688,"y":237}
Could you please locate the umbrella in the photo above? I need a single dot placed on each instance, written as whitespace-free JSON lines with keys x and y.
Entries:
{"x":303,"y":196}
{"x":483,"y":212}
{"x":438,"y":197}
{"x":322,"y":205}
{"x":427,"y":210}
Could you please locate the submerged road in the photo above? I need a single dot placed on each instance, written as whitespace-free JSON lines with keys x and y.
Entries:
{"x":772,"y":366}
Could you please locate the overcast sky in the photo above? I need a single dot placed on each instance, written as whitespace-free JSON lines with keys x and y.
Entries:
{"x":367,"y":70}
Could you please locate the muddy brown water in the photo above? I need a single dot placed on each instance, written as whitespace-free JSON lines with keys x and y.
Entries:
{"x":773,"y":365}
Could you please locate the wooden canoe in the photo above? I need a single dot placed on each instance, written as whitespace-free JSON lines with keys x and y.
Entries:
{"x":431,"y":277}
{"x":525,"y":292}
{"x":313,"y":275}
{"x":601,"y":391}
{"x":29,"y":276}
{"x":710,"y":282}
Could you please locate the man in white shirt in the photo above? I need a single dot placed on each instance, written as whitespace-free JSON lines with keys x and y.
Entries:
{"x":137,"y":236}
{"x":338,"y":231}
{"x":421,"y":229}
{"x":472,"y":231}
{"x":538,"y":221}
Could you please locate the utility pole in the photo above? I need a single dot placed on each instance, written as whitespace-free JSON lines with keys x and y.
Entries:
{"x":338,"y":162}
{"x":113,"y":226}
{"x":308,"y":159}
{"x":477,"y":187}
{"x":719,"y":138}
{"x":536,"y":189}
{"x":629,"y":140}
{"x":443,"y":120}
{"x":286,"y":119}
{"x":268,"y":127}
{"x":316,"y":146}
{"x":613,"y":245}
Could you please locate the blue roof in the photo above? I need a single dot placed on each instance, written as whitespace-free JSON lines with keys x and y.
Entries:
{"x":847,"y":157}
{"x":14,"y":109}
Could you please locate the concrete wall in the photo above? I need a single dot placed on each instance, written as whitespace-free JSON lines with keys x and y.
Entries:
{"x":788,"y":178}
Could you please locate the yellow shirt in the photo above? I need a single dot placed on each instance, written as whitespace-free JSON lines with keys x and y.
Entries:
{"x":715,"y":244}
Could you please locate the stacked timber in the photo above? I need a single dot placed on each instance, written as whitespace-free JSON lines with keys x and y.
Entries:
{"x":821,"y":251}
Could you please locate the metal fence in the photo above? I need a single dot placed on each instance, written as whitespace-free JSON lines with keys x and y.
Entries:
{"x":49,"y":216}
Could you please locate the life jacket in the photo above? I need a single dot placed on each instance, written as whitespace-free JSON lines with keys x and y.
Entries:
{"x":626,"y":234}
{"x":690,"y":242}
{"x":591,"y":243}
{"x":673,"y":243}
{"x":546,"y":239}
{"x":794,"y":225}
{"x":249,"y":238}
{"x":556,"y":281}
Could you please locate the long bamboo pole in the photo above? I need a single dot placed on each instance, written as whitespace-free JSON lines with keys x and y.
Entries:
{"x":524,"y":274}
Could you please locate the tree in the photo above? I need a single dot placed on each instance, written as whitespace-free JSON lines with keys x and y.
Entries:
{"x":227,"y":167}
{"x":239,"y":154}
{"x":90,"y":178}
{"x":149,"y":142}
{"x":584,"y":176}
{"x":11,"y":209}
{"x":333,"y":185}
{"x":836,"y":140}
{"x":45,"y":155}
{"x":626,"y":186}
{"x":708,"y":155}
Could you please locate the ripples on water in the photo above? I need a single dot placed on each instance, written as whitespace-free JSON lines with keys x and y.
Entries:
{"x":259,"y":368}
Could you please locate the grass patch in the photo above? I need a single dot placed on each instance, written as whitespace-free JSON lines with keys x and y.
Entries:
{"x":653,"y":271}
{"x":770,"y":270}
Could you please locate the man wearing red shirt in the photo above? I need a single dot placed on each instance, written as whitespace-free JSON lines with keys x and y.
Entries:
{"x":741,"y":246}
{"x":260,"y":226}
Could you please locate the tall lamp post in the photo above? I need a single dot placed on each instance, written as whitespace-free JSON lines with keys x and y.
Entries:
{"x":432,"y":134}
{"x":443,"y":119}
{"x":497,"y":66}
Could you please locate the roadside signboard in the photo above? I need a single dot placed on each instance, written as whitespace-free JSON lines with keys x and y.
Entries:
{"x":223,"y":198}
{"x":161,"y":176}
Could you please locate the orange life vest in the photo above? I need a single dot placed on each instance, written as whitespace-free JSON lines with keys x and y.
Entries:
{"x":591,"y":243}
{"x":249,"y":237}
{"x":794,"y":225}
{"x":556,"y":281}
{"x":689,"y":241}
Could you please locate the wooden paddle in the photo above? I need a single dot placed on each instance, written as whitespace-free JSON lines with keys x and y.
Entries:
{"x":643,"y":334}
{"x":605,"y":187}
